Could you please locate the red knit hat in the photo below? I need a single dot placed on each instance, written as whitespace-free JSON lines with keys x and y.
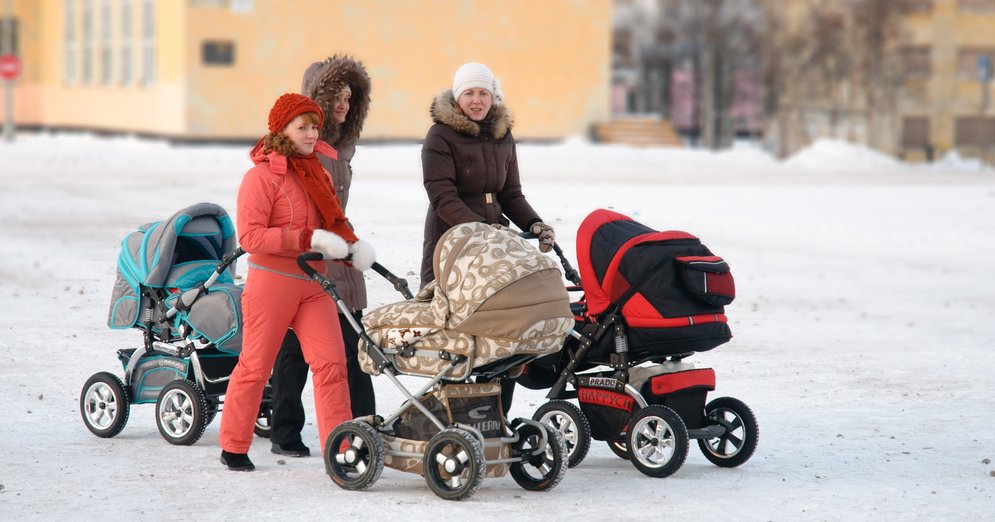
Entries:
{"x":290,"y":106}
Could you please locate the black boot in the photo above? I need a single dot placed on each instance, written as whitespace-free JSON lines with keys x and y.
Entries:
{"x":237,"y":461}
{"x":292,"y":449}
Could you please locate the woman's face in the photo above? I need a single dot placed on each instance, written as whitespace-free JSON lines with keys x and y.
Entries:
{"x":341,"y":108}
{"x":303,"y":134}
{"x":475,"y":103}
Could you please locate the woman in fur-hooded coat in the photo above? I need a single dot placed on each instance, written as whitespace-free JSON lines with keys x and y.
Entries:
{"x":470,"y":172}
{"x":324,"y":82}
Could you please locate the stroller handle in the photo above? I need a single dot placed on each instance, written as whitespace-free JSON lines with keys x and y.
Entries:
{"x":400,"y":284}
{"x":568,"y":270}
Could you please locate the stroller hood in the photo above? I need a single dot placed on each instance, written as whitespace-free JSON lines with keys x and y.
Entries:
{"x":493,"y":283}
{"x":661,"y":279}
{"x":179,"y":252}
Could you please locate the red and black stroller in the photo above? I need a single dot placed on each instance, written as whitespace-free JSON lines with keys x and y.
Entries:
{"x":651,"y":299}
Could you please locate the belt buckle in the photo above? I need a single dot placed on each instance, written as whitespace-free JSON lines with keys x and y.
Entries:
{"x":488,"y":198}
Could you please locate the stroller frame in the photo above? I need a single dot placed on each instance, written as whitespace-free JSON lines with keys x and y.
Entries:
{"x":453,"y":462}
{"x":649,"y":425}
{"x":184,"y":374}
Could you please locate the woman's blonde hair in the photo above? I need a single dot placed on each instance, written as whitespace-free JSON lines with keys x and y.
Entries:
{"x":280,"y":143}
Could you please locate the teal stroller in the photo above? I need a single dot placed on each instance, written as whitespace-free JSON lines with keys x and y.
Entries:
{"x":175,"y":283}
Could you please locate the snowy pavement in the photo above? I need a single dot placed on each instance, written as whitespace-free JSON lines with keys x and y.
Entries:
{"x":864,"y":333}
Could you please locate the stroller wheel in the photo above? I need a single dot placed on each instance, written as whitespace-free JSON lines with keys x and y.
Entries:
{"x":104,"y":405}
{"x":181,"y":412}
{"x":572,"y":424}
{"x":354,"y":455}
{"x":454,"y":464}
{"x":619,"y":448}
{"x":263,"y":428}
{"x":657,"y":440}
{"x":737,"y":444}
{"x":544,"y":458}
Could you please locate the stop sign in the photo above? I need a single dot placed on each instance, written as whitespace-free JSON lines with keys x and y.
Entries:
{"x":10,"y":67}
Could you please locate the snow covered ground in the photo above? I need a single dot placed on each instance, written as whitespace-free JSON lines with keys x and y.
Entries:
{"x":864,"y":334}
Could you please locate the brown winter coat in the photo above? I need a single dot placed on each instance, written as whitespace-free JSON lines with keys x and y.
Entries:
{"x":322,"y":82}
{"x":470,"y":171}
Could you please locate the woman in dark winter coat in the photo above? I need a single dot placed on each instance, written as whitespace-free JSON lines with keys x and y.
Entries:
{"x":469,"y":163}
{"x":341,"y":86}
{"x":470,"y":168}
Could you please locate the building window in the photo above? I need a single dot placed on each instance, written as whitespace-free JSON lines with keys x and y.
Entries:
{"x":69,"y":42}
{"x":106,"y":71}
{"x":917,"y":62}
{"x":973,"y":63}
{"x":974,"y":131}
{"x":217,"y":52}
{"x":15,"y":46}
{"x":126,"y":39}
{"x":148,"y":42}
{"x":976,"y":6}
{"x":917,"y":6}
{"x":87,"y":41}
{"x":915,"y":132}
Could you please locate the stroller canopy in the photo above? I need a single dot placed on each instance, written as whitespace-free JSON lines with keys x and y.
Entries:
{"x":176,"y":254}
{"x":179,"y":251}
{"x":663,"y":279}
{"x":493,"y":283}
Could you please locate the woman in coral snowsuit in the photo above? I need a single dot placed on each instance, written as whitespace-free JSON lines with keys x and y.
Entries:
{"x":286,"y":206}
{"x":341,"y":86}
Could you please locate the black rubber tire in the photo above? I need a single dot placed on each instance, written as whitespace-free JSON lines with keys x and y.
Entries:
{"x":359,"y":465}
{"x":619,"y":448}
{"x":572,"y":424}
{"x":262,"y":428}
{"x":181,"y":412}
{"x":652,"y":431}
{"x":454,"y":464}
{"x":104,"y":404}
{"x":544,"y":461}
{"x":212,"y":412}
{"x":739,"y":442}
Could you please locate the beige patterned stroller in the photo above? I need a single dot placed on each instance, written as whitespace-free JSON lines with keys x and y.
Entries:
{"x":497,"y":304}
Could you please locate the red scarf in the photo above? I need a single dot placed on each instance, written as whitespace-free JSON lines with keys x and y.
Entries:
{"x":319,"y":188}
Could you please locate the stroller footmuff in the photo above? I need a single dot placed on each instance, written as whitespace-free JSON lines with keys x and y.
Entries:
{"x":651,"y":299}
{"x":175,"y":283}
{"x":496,"y":305}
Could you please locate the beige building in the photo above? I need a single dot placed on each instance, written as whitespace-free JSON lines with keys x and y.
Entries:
{"x":947,"y":101}
{"x":209,"y":69}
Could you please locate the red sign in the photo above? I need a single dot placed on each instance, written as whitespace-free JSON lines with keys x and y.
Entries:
{"x":10,"y":67}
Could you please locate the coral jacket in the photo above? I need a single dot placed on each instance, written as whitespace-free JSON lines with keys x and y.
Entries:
{"x":274,"y":210}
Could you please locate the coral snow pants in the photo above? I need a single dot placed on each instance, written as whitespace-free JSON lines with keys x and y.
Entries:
{"x":272,"y":302}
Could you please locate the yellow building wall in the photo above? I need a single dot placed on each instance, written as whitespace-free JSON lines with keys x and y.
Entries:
{"x":43,"y":97}
{"x":947,"y":95}
{"x":552,"y":57}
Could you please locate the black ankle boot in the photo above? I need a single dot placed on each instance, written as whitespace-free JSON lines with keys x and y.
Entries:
{"x":237,"y":461}
{"x":292,"y":449}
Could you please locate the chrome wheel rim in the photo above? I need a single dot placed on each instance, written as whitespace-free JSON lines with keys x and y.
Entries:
{"x":176,"y":413}
{"x":653,"y":442}
{"x":101,"y":405}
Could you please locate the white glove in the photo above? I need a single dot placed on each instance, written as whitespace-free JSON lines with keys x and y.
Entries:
{"x":363,"y":255}
{"x":330,"y":244}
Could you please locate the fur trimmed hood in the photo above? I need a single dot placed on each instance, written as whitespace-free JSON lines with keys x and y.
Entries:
{"x":322,"y":83}
{"x":446,"y":111}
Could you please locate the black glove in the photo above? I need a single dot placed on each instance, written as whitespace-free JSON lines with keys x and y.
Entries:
{"x":545,"y":234}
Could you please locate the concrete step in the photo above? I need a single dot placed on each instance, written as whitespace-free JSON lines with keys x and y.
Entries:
{"x":638,"y":131}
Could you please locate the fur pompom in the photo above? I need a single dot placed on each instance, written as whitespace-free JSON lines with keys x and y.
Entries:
{"x":363,"y":255}
{"x":330,"y":244}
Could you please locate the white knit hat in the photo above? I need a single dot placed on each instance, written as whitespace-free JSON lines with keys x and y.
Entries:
{"x":475,"y":75}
